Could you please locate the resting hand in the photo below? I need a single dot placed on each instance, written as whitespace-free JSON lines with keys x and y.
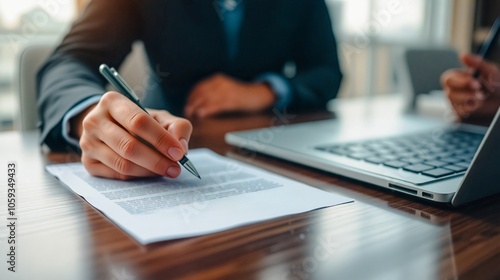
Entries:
{"x":222,"y":94}
{"x":109,"y":139}
{"x":473,"y":98}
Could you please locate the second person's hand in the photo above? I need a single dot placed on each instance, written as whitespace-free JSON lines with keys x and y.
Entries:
{"x":473,"y":98}
{"x":222,"y":94}
{"x":119,"y":140}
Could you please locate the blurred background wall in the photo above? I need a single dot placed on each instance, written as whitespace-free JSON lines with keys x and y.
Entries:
{"x":372,"y":36}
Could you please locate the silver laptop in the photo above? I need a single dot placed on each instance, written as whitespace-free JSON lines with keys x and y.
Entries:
{"x":438,"y":161}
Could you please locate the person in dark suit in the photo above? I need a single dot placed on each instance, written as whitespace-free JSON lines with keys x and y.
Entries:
{"x":219,"y":56}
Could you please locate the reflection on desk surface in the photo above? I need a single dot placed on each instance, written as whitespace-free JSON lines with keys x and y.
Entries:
{"x":409,"y":250}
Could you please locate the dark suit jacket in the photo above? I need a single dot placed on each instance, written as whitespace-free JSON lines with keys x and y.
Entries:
{"x":185,"y":38}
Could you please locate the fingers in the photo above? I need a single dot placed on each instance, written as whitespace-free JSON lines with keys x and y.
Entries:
{"x":207,"y":105}
{"x":459,"y":80}
{"x":207,"y":111}
{"x":140,"y":124}
{"x":230,"y":96}
{"x":133,"y":150}
{"x":471,"y":60}
{"x":111,"y":165}
{"x":464,"y":103}
{"x":205,"y":98}
{"x":468,"y":94}
{"x":121,"y":141}
{"x":464,"y":92}
{"x":462,"y":96}
{"x":475,"y":62}
{"x":199,"y":102}
{"x":97,"y":168}
{"x":199,"y":97}
{"x":180,"y":128}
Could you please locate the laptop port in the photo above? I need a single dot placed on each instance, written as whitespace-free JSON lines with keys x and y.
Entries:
{"x":403,"y":189}
{"x":427,"y":195}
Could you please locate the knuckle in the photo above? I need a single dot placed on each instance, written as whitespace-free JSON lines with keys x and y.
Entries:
{"x":162,"y":140}
{"x":105,"y":100}
{"x":85,"y":145}
{"x":445,"y":78}
{"x":89,"y":122}
{"x":108,"y":98}
{"x":165,"y":113}
{"x":85,"y":161}
{"x":154,"y":112}
{"x":122,"y":166}
{"x":185,"y":124}
{"x":138,"y":121}
{"x":128,"y":147}
{"x":88,"y":164}
{"x":106,"y":126}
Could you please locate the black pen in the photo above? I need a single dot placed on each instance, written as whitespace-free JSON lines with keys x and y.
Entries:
{"x":489,"y":44}
{"x":119,"y":83}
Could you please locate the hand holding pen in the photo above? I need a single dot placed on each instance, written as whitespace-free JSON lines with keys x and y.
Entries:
{"x":120,"y":140}
{"x":474,"y":93}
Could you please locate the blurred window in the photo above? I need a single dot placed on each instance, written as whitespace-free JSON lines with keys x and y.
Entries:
{"x":24,"y":22}
{"x":373,"y":33}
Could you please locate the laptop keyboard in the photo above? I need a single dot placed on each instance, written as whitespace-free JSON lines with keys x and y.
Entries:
{"x":429,"y":154}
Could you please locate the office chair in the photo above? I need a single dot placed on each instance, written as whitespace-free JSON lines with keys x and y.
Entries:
{"x":134,"y":70}
{"x":30,"y":60}
{"x":425,"y":67}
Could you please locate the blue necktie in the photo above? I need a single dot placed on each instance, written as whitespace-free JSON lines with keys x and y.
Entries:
{"x":231,"y":15}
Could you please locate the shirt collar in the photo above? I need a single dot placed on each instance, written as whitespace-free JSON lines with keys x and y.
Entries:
{"x":229,"y":5}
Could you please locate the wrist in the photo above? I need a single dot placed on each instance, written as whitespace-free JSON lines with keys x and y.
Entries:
{"x":279,"y":86}
{"x":266,"y":95}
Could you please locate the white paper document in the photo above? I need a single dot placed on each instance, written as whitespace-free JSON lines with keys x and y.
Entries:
{"x":230,"y":194}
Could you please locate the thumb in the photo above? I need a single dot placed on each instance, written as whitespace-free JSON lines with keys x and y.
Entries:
{"x":471,"y":60}
{"x":479,"y":64}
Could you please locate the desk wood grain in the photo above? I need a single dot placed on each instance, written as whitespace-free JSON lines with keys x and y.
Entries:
{"x":380,"y":236}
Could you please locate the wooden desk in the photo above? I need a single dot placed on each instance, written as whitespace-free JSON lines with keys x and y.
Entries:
{"x":380,"y":236}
